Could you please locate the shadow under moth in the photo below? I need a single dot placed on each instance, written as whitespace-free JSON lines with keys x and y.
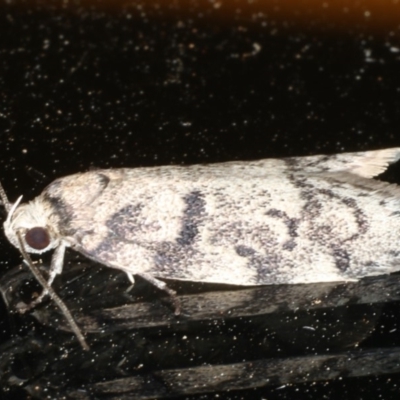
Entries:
{"x":274,"y":221}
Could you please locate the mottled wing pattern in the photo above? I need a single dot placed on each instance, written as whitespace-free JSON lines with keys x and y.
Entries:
{"x":305,"y":219}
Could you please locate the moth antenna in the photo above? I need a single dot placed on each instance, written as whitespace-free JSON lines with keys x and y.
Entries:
{"x":61,"y":305}
{"x":4,"y":199}
{"x":12,"y":209}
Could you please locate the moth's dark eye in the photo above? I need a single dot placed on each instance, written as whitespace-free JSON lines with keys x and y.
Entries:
{"x":37,"y":238}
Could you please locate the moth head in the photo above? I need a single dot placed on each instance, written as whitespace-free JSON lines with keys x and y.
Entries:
{"x":32,"y":222}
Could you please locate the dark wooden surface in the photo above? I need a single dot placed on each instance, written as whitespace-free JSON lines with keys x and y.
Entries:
{"x":227,"y":339}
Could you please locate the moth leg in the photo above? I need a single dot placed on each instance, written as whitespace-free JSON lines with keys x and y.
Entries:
{"x":163,"y":286}
{"x":57,"y":262}
{"x":131,"y":278}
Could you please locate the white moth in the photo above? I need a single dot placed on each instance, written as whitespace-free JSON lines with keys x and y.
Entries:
{"x":274,"y":221}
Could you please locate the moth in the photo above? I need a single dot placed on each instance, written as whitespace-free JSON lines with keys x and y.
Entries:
{"x":272,"y":221}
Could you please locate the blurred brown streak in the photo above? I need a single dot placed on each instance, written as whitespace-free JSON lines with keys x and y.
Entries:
{"x":370,"y":15}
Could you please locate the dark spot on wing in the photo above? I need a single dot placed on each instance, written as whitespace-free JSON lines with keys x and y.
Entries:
{"x":328,"y":193}
{"x":193,"y":215}
{"x":292,"y":162}
{"x":61,"y":209}
{"x":302,"y":164}
{"x":126,"y":220}
{"x":173,"y":257}
{"x":341,"y":257}
{"x":291,"y":223}
{"x":372,"y":264}
{"x":273,"y":212}
{"x":188,"y":234}
{"x":104,"y":180}
{"x":244,"y":251}
{"x":289,"y":245}
{"x":361,"y":219}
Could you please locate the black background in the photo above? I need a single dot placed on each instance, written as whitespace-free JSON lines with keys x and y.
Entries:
{"x":109,"y":84}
